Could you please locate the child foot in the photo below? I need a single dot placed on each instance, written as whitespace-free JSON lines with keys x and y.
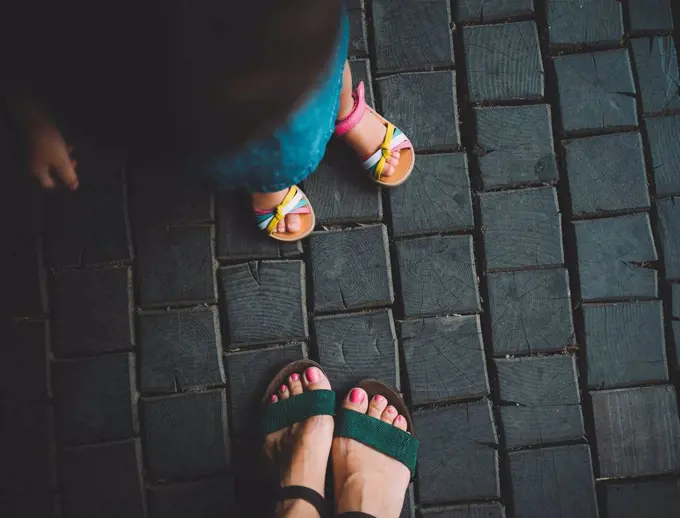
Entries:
{"x":301,"y":450}
{"x":268,"y":201}
{"x":365,"y":479}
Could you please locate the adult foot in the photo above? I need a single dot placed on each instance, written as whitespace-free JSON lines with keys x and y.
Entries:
{"x":301,"y":450}
{"x":365,"y":479}
{"x":268,"y":201}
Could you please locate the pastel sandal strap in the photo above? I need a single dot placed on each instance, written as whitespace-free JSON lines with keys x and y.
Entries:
{"x":380,"y":436}
{"x":345,"y":125}
{"x":296,"y":409}
{"x":293,"y":203}
{"x":394,"y":140}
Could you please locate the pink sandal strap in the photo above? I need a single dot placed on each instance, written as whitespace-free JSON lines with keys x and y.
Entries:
{"x":348,"y":123}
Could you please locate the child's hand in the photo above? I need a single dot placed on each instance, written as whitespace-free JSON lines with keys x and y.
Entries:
{"x":49,"y":156}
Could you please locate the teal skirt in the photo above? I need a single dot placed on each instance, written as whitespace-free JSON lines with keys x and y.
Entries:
{"x":294,"y":151}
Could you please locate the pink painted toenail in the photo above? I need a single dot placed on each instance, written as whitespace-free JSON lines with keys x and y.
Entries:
{"x":378,"y":399}
{"x":400,"y":419}
{"x":356,"y":396}
{"x":274,"y":398}
{"x":283,"y":388}
{"x":312,"y":374}
{"x":391,"y":410}
{"x":295,"y":377}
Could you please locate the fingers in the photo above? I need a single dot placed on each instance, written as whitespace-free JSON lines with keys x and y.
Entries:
{"x":44,"y":177}
{"x":66,"y":171}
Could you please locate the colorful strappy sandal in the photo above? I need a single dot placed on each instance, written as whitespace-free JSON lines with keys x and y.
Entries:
{"x":295,"y":202}
{"x":395,"y":140}
{"x":293,"y":410}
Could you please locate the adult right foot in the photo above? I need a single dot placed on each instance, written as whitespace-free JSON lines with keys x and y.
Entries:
{"x":366,"y":480}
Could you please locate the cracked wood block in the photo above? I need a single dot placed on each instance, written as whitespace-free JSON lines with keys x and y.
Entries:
{"x":249,"y":374}
{"x":553,"y":482}
{"x":25,"y":368}
{"x":664,"y":143}
{"x":489,"y":510}
{"x":503,"y":61}
{"x":541,"y":400}
{"x":657,"y":69}
{"x":356,"y":347}
{"x":675,"y":288}
{"x":650,"y":15}
{"x":437,"y":276}
{"x":530,"y":311}
{"x":652,"y":498}
{"x":614,"y":256}
{"x":668,"y":212}
{"x":515,"y":145}
{"x":489,"y":10}
{"x":424,"y":106}
{"x":596,"y":90}
{"x":458,"y":457}
{"x":186,"y":435}
{"x":444,"y":358}
{"x":351,"y":268}
{"x":625,"y":344}
{"x":104,"y":480}
{"x":96,"y":399}
{"x":435,"y":199}
{"x":522,"y":228}
{"x":212,"y":498}
{"x":265,"y":302}
{"x":607,"y":173}
{"x":412,"y":34}
{"x":238,"y":237}
{"x":180,"y":350}
{"x":637,"y":431}
{"x":358,"y":39}
{"x":583,"y":22}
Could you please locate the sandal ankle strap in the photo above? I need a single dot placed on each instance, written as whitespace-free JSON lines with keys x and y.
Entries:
{"x":304,"y":493}
{"x":348,"y":123}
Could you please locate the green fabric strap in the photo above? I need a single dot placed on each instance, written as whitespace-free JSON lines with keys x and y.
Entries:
{"x":380,"y":436}
{"x":297,"y":408}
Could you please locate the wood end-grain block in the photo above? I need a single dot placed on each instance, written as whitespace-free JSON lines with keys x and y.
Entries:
{"x":238,"y":237}
{"x":87,"y":226}
{"x":675,"y":295}
{"x":92,"y":311}
{"x":503,"y":61}
{"x":438,"y":276}
{"x":175,"y":265}
{"x":583,"y":22}
{"x":596,"y":90}
{"x":650,"y":498}
{"x":613,"y":257}
{"x":553,"y":482}
{"x":458,"y":458}
{"x":530,"y":311}
{"x":95,"y":398}
{"x":664,"y":144}
{"x":676,"y":337}
{"x":489,"y":10}
{"x":540,"y":399}
{"x":265,"y":302}
{"x":40,"y":505}
{"x":211,"y":498}
{"x":351,"y":268}
{"x":607,"y":173}
{"x":515,"y":145}
{"x":650,"y":15}
{"x":186,"y":435}
{"x":637,"y":431}
{"x":25,"y":367}
{"x":444,"y":358}
{"x":657,"y":69}
{"x":358,"y":38}
{"x":361,"y":72}
{"x":103,"y":480}
{"x":412,"y":34}
{"x":424,"y":106}
{"x":487,"y":510}
{"x":522,"y":228}
{"x":180,"y":350}
{"x":24,"y":286}
{"x":27,"y":448}
{"x":249,"y":373}
{"x":625,"y":344}
{"x":166,"y":197}
{"x":341,"y":190}
{"x":668,"y":213}
{"x":357,"y":347}
{"x":435,"y":199}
